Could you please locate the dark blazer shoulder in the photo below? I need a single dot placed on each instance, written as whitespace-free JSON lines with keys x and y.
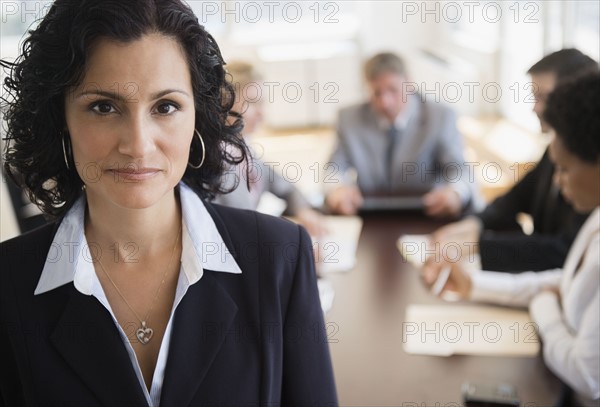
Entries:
{"x":238,"y":225}
{"x":25,"y":255}
{"x":45,"y":232}
{"x":272,"y":252}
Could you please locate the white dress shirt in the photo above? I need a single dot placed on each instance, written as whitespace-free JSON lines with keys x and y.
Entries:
{"x":401,"y":123}
{"x":569,"y":324}
{"x":202,"y":247}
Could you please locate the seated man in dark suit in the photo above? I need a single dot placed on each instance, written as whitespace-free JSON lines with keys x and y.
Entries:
{"x":502,"y":244}
{"x":398,"y":144}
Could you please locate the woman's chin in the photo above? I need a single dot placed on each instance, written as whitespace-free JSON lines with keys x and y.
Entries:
{"x":581,"y":207}
{"x":132,"y":196}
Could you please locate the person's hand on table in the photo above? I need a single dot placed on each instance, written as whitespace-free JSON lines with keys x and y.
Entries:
{"x":457,"y":281}
{"x":462,"y":234}
{"x":442,"y":203}
{"x":344,"y":200}
{"x":313,"y":221}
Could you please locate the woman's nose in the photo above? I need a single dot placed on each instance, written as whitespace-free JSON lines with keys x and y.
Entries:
{"x":137,"y":138}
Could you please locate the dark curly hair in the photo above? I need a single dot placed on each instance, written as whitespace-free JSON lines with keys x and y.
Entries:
{"x":573,"y":111}
{"x":53,"y":60}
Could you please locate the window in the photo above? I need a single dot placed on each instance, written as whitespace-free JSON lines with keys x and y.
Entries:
{"x":16,"y":18}
{"x":474,"y":25}
{"x":586,"y":29}
{"x":276,"y":22}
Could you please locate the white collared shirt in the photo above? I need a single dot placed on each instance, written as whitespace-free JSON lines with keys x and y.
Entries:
{"x":202,"y":247}
{"x":401,"y":121}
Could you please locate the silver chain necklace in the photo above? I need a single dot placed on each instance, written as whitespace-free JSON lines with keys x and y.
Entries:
{"x":144,"y":333}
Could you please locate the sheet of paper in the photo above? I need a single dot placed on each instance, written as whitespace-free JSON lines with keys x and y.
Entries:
{"x":445,"y":330}
{"x":416,"y":249}
{"x":337,"y":250}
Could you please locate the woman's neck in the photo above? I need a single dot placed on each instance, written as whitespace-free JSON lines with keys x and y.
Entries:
{"x":142,"y":231}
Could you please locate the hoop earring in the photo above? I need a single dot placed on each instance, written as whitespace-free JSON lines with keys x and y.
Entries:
{"x":203,"y":152}
{"x":65,"y":155}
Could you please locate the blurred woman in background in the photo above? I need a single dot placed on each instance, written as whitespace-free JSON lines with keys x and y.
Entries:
{"x":262,"y":177}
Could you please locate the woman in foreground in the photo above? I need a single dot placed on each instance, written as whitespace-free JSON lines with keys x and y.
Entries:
{"x":142,"y":293}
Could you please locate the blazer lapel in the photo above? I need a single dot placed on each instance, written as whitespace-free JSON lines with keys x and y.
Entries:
{"x":89,"y":341}
{"x":204,"y":313}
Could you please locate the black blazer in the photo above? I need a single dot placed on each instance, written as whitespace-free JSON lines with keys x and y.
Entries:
{"x":503,"y":245}
{"x":250,"y":339}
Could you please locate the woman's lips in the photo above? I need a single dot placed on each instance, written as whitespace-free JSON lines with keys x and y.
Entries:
{"x":139,"y":174}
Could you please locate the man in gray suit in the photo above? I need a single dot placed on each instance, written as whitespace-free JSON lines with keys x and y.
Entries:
{"x":398,"y":145}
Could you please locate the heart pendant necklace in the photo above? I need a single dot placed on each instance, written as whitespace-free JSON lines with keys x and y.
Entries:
{"x":144,"y":333}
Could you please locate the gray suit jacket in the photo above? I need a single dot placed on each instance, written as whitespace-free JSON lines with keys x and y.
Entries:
{"x":428,"y":153}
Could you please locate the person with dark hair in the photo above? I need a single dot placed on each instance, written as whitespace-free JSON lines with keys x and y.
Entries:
{"x":398,"y":145}
{"x":564,"y":303}
{"x":142,"y":293}
{"x":500,"y":240}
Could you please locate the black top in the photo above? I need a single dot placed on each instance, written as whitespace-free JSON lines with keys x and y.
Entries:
{"x":504,"y":246}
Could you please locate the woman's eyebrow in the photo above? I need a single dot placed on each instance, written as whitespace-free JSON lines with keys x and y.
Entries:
{"x":165,"y":92}
{"x":124,"y":96}
{"x":98,"y":92}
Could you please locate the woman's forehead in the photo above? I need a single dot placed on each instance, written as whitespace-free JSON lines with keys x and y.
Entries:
{"x":150,"y":64}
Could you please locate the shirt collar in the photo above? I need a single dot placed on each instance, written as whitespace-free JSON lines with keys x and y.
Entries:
{"x":69,"y":258}
{"x":401,"y":121}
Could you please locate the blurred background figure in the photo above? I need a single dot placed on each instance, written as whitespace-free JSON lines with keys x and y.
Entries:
{"x":563,"y":303}
{"x":503,"y":246}
{"x":261,"y":177}
{"x":399,"y":143}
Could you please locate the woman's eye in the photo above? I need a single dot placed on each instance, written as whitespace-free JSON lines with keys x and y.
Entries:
{"x":102,"y":108}
{"x":166,"y":108}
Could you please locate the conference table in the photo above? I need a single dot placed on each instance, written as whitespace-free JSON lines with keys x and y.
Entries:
{"x":365,"y":333}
